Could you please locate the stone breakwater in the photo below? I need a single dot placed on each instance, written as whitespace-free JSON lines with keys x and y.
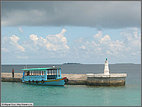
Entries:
{"x":106,"y":80}
{"x":78,"y":79}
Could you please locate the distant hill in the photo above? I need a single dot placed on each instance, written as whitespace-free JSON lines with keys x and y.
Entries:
{"x":70,"y":63}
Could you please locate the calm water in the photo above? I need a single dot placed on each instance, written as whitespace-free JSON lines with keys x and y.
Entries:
{"x":129,"y":95}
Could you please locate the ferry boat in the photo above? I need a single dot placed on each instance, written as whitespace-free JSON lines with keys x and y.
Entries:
{"x":43,"y":76}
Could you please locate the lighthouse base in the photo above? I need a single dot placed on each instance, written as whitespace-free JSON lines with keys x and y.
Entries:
{"x":106,"y":80}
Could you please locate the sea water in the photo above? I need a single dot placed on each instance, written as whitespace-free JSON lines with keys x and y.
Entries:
{"x":77,"y":95}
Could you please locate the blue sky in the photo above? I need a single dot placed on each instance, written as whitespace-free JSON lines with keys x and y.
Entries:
{"x":61,"y":38}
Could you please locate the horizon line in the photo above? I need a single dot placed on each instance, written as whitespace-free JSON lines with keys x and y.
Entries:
{"x":60,"y":63}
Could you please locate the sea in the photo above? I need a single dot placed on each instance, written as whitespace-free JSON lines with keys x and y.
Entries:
{"x":75,"y":95}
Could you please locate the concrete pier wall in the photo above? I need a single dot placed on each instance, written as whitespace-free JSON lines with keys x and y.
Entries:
{"x":77,"y":82}
{"x":11,"y":79}
{"x":106,"y":80}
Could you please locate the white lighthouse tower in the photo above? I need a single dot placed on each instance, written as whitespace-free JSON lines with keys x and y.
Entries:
{"x":106,"y":69}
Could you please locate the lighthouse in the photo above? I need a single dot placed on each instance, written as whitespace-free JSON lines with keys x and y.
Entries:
{"x":106,"y":68}
{"x":106,"y":78}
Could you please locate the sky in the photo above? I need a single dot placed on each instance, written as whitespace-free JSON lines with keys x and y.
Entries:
{"x":56,"y":32}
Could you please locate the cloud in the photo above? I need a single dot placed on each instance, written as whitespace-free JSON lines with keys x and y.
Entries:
{"x":83,"y":47}
{"x":14,"y":41}
{"x":22,"y":57}
{"x":105,"y":39}
{"x":132,"y":38}
{"x":34,"y":38}
{"x":20,"y":29}
{"x":4,"y":49}
{"x":98,"y":35}
{"x":35,"y":43}
{"x":106,"y":14}
{"x":51,"y":42}
{"x":93,"y":50}
{"x":14,"y":38}
{"x":103,"y":45}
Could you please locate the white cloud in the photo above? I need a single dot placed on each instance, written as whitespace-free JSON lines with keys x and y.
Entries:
{"x":14,"y":38}
{"x":116,"y":47}
{"x":14,"y":41}
{"x":20,"y":29}
{"x":103,"y":45}
{"x":22,"y":57}
{"x":83,"y":47}
{"x":132,"y":38}
{"x":63,"y":31}
{"x":105,"y":39}
{"x":4,"y":49}
{"x":95,"y":48}
{"x":51,"y":42}
{"x":34,"y":38}
{"x":109,"y":53}
{"x":98,"y":35}
{"x":20,"y":47}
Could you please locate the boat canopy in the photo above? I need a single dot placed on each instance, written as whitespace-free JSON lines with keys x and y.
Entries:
{"x":41,"y":69}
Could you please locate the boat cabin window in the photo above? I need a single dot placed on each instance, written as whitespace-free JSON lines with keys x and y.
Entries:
{"x":27,"y":73}
{"x":51,"y":74}
{"x":31,"y":73}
